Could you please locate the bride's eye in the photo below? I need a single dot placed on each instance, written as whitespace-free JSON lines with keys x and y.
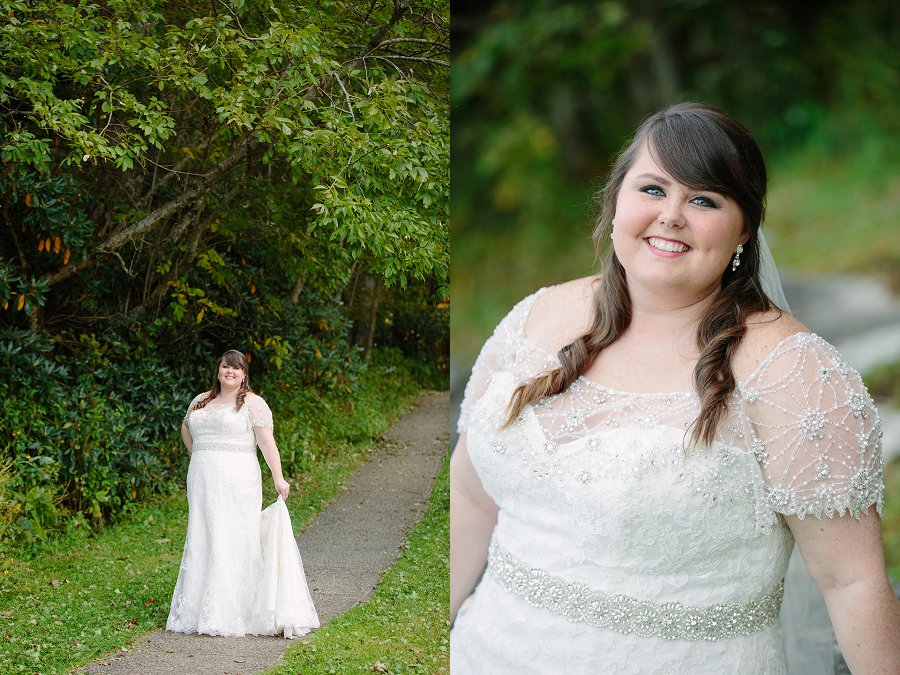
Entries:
{"x":653,"y":190}
{"x":702,"y":200}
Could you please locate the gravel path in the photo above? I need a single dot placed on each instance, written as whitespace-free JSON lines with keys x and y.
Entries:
{"x":345,"y":551}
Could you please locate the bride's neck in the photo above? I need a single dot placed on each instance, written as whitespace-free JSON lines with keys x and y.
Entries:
{"x":668,"y":317}
{"x":228,"y":394}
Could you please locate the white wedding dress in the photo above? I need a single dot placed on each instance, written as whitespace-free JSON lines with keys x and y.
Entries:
{"x":618,"y":551}
{"x":241,"y":571}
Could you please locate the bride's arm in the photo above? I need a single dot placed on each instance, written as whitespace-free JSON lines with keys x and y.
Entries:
{"x":186,"y":437}
{"x":473,"y":515}
{"x":815,"y":432}
{"x":265,"y":439}
{"x":845,"y":558}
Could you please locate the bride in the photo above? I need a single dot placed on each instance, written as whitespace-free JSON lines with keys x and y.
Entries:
{"x":241,"y":572}
{"x":639,"y":450}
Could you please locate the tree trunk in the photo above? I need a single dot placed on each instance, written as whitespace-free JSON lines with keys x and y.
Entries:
{"x":298,"y":289}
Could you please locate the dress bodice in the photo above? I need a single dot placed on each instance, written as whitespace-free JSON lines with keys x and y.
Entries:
{"x":218,"y":426}
{"x":625,"y":508}
{"x":599,"y":489}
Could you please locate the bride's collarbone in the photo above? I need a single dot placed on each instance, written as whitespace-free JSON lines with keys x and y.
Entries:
{"x":643,"y":368}
{"x":223,"y":402}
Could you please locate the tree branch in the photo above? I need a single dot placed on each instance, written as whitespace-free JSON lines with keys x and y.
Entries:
{"x":200,"y":225}
{"x":433,"y":43}
{"x":124,"y":235}
{"x":346,"y":95}
{"x":410,"y":58}
{"x":400,"y":8}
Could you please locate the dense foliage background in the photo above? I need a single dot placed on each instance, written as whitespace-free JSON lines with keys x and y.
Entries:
{"x":546,"y":92}
{"x":180,"y":178}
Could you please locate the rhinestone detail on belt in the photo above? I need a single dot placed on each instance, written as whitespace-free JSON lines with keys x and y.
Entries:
{"x":223,"y":447}
{"x":624,"y":614}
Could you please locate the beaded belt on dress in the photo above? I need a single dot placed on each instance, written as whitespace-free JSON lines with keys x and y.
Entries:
{"x":624,"y":614}
{"x":223,"y":447}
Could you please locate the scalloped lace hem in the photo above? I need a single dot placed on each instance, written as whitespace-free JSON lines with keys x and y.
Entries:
{"x":297,"y":632}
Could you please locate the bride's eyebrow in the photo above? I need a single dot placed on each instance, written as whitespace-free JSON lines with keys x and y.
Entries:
{"x":654,"y":177}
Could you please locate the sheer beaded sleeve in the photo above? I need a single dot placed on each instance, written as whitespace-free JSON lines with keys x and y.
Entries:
{"x":505,"y":349}
{"x":260,"y":414}
{"x":814,"y":430}
{"x":192,"y":404}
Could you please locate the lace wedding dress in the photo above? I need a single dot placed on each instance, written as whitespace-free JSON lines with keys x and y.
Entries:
{"x":618,"y":551}
{"x":241,"y":571}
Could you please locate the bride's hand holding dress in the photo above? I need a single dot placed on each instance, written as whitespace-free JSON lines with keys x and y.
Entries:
{"x":265,"y":439}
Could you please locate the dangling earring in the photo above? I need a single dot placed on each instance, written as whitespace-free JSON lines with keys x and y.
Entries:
{"x":612,"y":224}
{"x":737,"y":257}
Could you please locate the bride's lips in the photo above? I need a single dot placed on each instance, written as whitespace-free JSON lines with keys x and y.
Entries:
{"x":666,"y":248}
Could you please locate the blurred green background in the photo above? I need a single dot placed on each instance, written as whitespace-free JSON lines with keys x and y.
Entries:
{"x":545,"y":92}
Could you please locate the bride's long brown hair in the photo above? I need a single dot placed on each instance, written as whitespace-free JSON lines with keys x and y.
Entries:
{"x":706,"y":150}
{"x":235,"y":359}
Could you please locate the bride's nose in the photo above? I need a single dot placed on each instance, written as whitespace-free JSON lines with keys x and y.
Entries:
{"x":671,"y":215}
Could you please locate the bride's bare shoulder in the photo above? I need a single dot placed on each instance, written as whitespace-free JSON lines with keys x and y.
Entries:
{"x":561,"y":313}
{"x":765,"y":330}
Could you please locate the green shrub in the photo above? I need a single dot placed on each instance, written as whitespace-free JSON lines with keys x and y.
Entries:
{"x":32,"y":503}
{"x":313,"y":422}
{"x":95,"y":419}
{"x":418,"y":324}
{"x":9,"y":507}
{"x":93,"y":427}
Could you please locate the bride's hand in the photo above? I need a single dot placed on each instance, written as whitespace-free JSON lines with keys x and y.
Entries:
{"x":282,"y":488}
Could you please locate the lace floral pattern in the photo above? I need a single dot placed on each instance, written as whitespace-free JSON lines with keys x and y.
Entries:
{"x":255,"y":408}
{"x":596,"y":488}
{"x":815,"y":431}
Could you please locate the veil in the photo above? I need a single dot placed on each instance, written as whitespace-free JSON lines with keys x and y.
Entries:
{"x":768,"y":273}
{"x":808,"y":636}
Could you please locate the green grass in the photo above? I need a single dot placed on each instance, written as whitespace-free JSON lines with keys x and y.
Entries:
{"x":835,"y":212}
{"x":68,"y":601}
{"x":404,"y":627}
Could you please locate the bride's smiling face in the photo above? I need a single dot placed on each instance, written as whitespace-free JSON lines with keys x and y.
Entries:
{"x":230,"y":376}
{"x":670,"y":237}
